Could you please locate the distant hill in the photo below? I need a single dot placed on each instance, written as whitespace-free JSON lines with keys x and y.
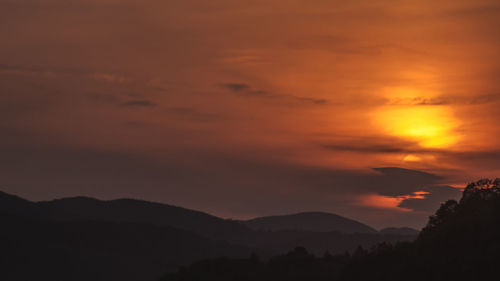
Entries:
{"x":399,"y":231}
{"x":125,"y":210}
{"x":309,"y":221}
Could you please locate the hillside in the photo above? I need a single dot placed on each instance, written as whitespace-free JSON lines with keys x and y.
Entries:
{"x":309,"y":221}
{"x":36,"y":249}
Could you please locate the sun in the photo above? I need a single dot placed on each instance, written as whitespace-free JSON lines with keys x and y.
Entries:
{"x":428,"y":125}
{"x":431,"y":126}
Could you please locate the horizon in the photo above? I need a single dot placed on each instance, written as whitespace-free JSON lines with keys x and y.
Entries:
{"x":376,"y":111}
{"x":207,"y":213}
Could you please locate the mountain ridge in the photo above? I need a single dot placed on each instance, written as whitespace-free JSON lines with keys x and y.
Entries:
{"x":309,"y":221}
{"x":142,"y":211}
{"x":124,"y":210}
{"x":134,"y":240}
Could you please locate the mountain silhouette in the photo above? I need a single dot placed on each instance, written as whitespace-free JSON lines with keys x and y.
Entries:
{"x":124,"y":210}
{"x":16,"y":205}
{"x":83,"y":238}
{"x":309,"y":221}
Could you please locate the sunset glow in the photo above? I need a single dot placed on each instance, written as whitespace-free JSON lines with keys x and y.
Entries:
{"x":246,"y":108}
{"x":430,"y":126}
{"x":418,"y":115}
{"x":390,"y":202}
{"x":412,"y":158}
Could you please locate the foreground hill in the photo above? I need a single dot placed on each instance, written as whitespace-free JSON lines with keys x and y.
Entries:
{"x":310,"y":221}
{"x":37,"y":249}
{"x":460,"y":242}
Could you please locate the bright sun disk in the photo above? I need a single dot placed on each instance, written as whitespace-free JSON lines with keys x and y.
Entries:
{"x":430,"y":126}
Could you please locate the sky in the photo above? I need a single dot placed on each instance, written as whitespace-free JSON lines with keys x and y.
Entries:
{"x":374,"y":110}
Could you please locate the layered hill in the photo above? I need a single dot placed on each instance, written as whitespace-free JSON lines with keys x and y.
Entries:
{"x":309,"y":221}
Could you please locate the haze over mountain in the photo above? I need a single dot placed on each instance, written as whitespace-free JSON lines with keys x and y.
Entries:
{"x":309,"y":221}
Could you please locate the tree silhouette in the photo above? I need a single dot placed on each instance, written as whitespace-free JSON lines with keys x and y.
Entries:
{"x":460,"y":242}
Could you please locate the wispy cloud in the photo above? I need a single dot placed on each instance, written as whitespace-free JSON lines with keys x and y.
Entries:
{"x":236,"y":87}
{"x":433,"y":197}
{"x":139,"y":103}
{"x":244,"y":89}
{"x":375,"y":144}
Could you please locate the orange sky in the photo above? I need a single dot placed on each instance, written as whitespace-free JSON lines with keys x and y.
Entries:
{"x":247,"y":108}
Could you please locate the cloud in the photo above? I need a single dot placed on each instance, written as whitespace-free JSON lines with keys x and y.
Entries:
{"x":110,"y":77}
{"x":367,"y":147}
{"x":424,"y":101}
{"x":247,"y":90}
{"x":139,"y":103}
{"x":312,"y":100}
{"x":243,"y":89}
{"x":265,"y":186}
{"x":334,"y":44}
{"x":376,"y":144}
{"x":24,"y":71}
{"x":485,"y":162}
{"x":419,"y":101}
{"x":484,"y":99}
{"x":436,"y":194}
{"x":236,"y":87}
{"x":408,"y":191}
{"x":105,"y":87}
{"x":481,"y":10}
{"x":394,"y":181}
{"x":445,"y":100}
{"x":54,"y":72}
